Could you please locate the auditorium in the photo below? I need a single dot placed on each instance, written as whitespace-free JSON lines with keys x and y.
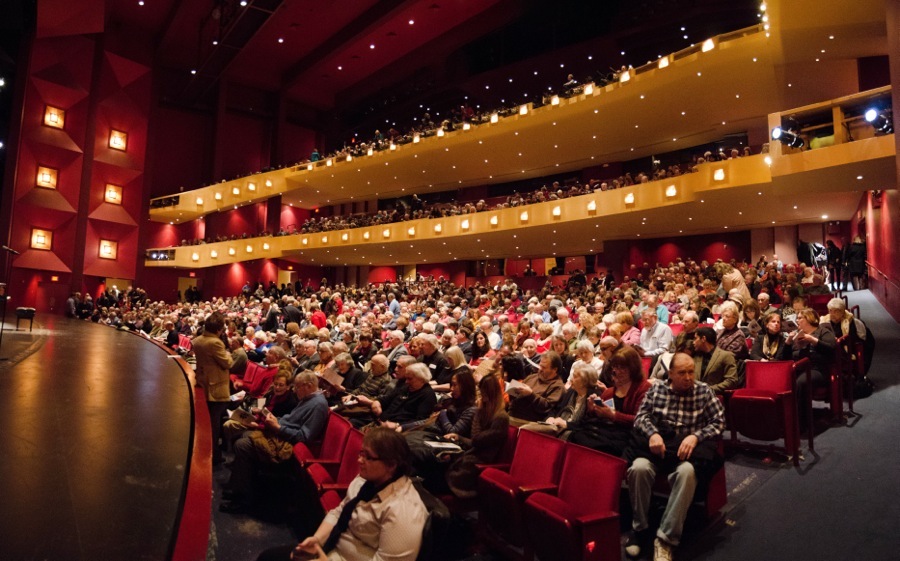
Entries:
{"x":449,"y":279}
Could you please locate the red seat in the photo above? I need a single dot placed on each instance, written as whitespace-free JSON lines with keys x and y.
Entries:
{"x":347,"y":470}
{"x":646,"y":365}
{"x":535,"y":467}
{"x":258,"y":379}
{"x":766,"y":409}
{"x":582,"y":520}
{"x":819,"y":302}
{"x":329,"y":454}
{"x":505,"y":458}
{"x":184,"y":342}
{"x":676,"y":328}
{"x":833,"y":392}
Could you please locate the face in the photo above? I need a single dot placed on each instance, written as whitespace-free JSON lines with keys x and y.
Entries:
{"x":585,"y":355}
{"x":547,"y":372}
{"x":529,"y":348}
{"x":804,"y":324}
{"x":280,"y":386}
{"x":701,"y":345}
{"x":649,"y":319}
{"x":271,"y":358}
{"x":371,"y":467}
{"x":729,"y":319}
{"x":454,"y":388}
{"x":302,"y":390}
{"x":835,"y":315}
{"x":559,"y":346}
{"x":480,"y":340}
{"x":681,"y":374}
{"x":578,"y":384}
{"x":774,"y":324}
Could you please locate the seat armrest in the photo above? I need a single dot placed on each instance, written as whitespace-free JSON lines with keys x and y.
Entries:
{"x":597,"y":517}
{"x":501,"y":467}
{"x":321,"y":462}
{"x":548,"y":488}
{"x":339,"y":488}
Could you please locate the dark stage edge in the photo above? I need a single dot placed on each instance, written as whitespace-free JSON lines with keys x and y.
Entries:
{"x":95,"y":449}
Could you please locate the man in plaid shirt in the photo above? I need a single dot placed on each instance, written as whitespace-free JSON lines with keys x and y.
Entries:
{"x":674,"y":433}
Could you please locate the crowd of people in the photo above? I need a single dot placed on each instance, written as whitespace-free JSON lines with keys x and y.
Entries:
{"x":431,"y":359}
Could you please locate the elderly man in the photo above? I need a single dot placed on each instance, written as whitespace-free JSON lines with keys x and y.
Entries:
{"x":395,"y":348}
{"x":434,"y":360}
{"x":656,"y":337}
{"x":685,"y":340}
{"x":275,"y":442}
{"x":412,"y":399}
{"x":213,"y":362}
{"x":712,"y":365}
{"x":539,"y":393}
{"x":448,"y":339}
{"x":268,"y":316}
{"x":562,"y":319}
{"x":675,"y":434}
{"x":310,"y":358}
{"x":765,"y":307}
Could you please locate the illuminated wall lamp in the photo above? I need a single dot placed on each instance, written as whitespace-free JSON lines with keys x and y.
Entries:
{"x":232,"y":251}
{"x":671,"y":191}
{"x":236,"y":191}
{"x":393,"y":146}
{"x":118,"y":140}
{"x":41,"y":239}
{"x":214,"y":254}
{"x":108,"y":249}
{"x":466,"y":126}
{"x":708,"y":45}
{"x":366,"y":235}
{"x":113,"y":194}
{"x":266,"y":246}
{"x":663,"y":62}
{"x":524,"y":216}
{"x":268,"y":182}
{"x":557,"y":212}
{"x":195,"y":256}
{"x":369,"y":152}
{"x":251,"y":186}
{"x":416,"y":139}
{"x":324,"y":239}
{"x":47,"y":177}
{"x":386,"y":233}
{"x":440,"y":132}
{"x":349,"y":158}
{"x":54,"y":117}
{"x":329,"y":162}
{"x":589,"y":89}
{"x":592,"y":206}
{"x":624,"y":77}
{"x":494,"y":220}
{"x":554,"y":100}
{"x":309,"y":167}
{"x":218,"y":196}
{"x":629,"y":199}
{"x":438,"y":228}
{"x":249,"y":248}
{"x":494,"y":117}
{"x":199,"y":201}
{"x":305,"y":241}
{"x":411,"y":232}
{"x":523,"y":110}
{"x":719,"y":175}
{"x":465,"y":224}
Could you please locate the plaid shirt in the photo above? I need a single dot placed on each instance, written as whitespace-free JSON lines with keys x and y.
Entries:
{"x":699,"y":412}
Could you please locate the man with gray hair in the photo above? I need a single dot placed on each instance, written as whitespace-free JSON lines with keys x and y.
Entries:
{"x":396,"y":348}
{"x":434,"y":359}
{"x":412,"y":399}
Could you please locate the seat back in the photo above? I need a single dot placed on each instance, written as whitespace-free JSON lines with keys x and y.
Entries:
{"x":349,"y":468}
{"x":819,"y":302}
{"x":251,"y":372}
{"x":538,"y":458}
{"x":591,"y":481}
{"x":261,"y":382}
{"x":185,"y":342}
{"x":676,"y":328}
{"x":337,"y":432}
{"x":646,"y":365}
{"x":775,"y":376}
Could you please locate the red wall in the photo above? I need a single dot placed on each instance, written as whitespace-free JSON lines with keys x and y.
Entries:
{"x":453,"y":271}
{"x":882,"y":226}
{"x":620,"y":255}
{"x":378,"y":275}
{"x":181,"y":151}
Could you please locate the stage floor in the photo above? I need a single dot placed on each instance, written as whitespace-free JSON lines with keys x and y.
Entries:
{"x":95,"y":444}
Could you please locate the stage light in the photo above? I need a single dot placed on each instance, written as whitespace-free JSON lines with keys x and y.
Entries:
{"x":880,"y":121}
{"x":787,"y":138}
{"x":47,"y":177}
{"x":108,"y":249}
{"x":41,"y":239}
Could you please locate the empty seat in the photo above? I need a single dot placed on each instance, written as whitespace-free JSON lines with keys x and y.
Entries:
{"x":329,"y":454}
{"x":348,"y":468}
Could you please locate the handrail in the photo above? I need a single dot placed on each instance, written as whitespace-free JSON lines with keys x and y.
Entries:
{"x":884,"y":276}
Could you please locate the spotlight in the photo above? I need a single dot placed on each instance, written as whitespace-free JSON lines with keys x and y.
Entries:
{"x":880,"y":121}
{"x":787,"y":138}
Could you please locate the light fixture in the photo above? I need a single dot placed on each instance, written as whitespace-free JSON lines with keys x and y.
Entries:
{"x":329,"y":162}
{"x":494,"y":117}
{"x":629,"y":199}
{"x":466,"y":126}
{"x":251,"y":186}
{"x":41,"y":239}
{"x":768,"y":160}
{"x":592,"y":206}
{"x":411,"y":231}
{"x":309,"y":167}
{"x":524,"y":216}
{"x":663,"y":62}
{"x":708,"y":45}
{"x":465,"y":224}
{"x":386,"y":233}
{"x":787,"y":138}
{"x":589,"y":89}
{"x":416,"y":139}
{"x":218,"y":196}
{"x":47,"y":177}
{"x":523,"y":110}
{"x":195,"y":256}
{"x":345,"y":236}
{"x":118,"y":140}
{"x":236,"y":191}
{"x":369,"y":152}
{"x":671,"y":191}
{"x":232,"y":251}
{"x":440,"y":131}
{"x":268,"y":182}
{"x":249,"y":248}
{"x":108,"y":249}
{"x":366,"y":235}
{"x":214,"y":254}
{"x":624,"y":76}
{"x":199,"y":201}
{"x":557,"y":212}
{"x":54,"y":117}
{"x":266,"y":246}
{"x":494,"y":220}
{"x":324,"y":239}
{"x":719,"y":175}
{"x":880,"y":121}
{"x":305,"y":241}
{"x":113,"y":194}
{"x":554,"y":100}
{"x":438,"y":228}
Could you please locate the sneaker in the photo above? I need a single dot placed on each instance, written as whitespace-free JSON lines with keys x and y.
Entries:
{"x":637,"y":542}
{"x":662,"y":551}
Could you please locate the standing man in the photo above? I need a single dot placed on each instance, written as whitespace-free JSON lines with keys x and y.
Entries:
{"x":674,"y":434}
{"x":213,"y":364}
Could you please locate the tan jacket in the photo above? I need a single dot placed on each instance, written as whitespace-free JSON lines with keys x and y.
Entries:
{"x":213,"y":363}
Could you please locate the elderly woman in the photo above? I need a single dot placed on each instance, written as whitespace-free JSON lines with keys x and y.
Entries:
{"x":573,"y":404}
{"x":585,"y":354}
{"x":382,"y":516}
{"x":608,"y":429}
{"x":631,"y":335}
{"x":770,"y":344}
{"x":816,"y":342}
{"x":731,"y":338}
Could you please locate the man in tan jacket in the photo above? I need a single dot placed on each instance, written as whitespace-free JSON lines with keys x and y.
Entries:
{"x":213,"y":363}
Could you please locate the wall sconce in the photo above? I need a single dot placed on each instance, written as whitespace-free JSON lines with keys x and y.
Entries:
{"x":624,"y":76}
{"x":366,"y":235}
{"x":309,"y":167}
{"x":719,"y":174}
{"x":236,"y":191}
{"x":345,"y":236}
{"x":108,"y":249}
{"x":768,"y":160}
{"x":708,"y":45}
{"x":195,"y":256}
{"x":465,"y":224}
{"x":466,"y":126}
{"x":305,"y":241}
{"x":369,"y":152}
{"x":416,"y":139}
{"x":440,"y":132}
{"x":266,"y":246}
{"x":218,"y":196}
{"x":663,"y":62}
{"x":199,"y":201}
{"x":54,"y":117}
{"x":113,"y":194}
{"x":232,"y":251}
{"x":251,"y":186}
{"x":592,"y":206}
{"x":118,"y":140}
{"x":524,"y":216}
{"x":438,"y":228}
{"x":554,"y":100}
{"x":557,"y":212}
{"x":329,"y":162}
{"x":324,"y":239}
{"x":268,"y":182}
{"x":411,"y":232}
{"x":393,"y":146}
{"x":214,"y":254}
{"x":671,"y":191}
{"x":349,"y":158}
{"x":494,"y":220}
{"x":47,"y":177}
{"x":386,"y":233}
{"x":523,"y":110}
{"x":249,"y":248}
{"x":41,"y":239}
{"x":494,"y":117}
{"x":589,"y":89}
{"x":629,"y":199}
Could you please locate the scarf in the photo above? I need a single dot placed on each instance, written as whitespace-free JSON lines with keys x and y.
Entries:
{"x":366,"y":493}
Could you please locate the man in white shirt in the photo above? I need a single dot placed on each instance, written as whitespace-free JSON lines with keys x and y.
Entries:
{"x":656,"y":337}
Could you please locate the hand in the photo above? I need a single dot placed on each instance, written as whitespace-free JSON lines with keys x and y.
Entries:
{"x":687,"y":447}
{"x":604,"y":412}
{"x":376,"y":408}
{"x":363,"y":400}
{"x":657,"y":446}
{"x":523,"y":391}
{"x":601,"y":387}
{"x":452,"y":437}
{"x":308,"y":548}
{"x":272,"y":422}
{"x":346,"y":398}
{"x":561,"y":423}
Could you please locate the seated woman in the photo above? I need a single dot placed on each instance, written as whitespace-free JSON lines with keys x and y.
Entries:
{"x":573,"y":404}
{"x":382,"y":516}
{"x":585,"y":353}
{"x":631,"y":335}
{"x":544,"y":338}
{"x":816,"y":342}
{"x":770,"y":344}
{"x":280,"y":400}
{"x":523,"y":332}
{"x":608,"y":429}
{"x":481,"y":349}
{"x":561,"y":347}
{"x":731,"y":338}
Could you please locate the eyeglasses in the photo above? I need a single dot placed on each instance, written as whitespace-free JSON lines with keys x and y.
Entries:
{"x":368,"y":457}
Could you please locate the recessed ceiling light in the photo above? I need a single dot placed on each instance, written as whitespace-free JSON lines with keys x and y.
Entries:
{"x":412,"y":22}
{"x":859,"y":177}
{"x":372,"y":46}
{"x":281,"y":39}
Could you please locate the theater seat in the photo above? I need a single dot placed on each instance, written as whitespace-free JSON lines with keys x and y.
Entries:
{"x":347,"y":470}
{"x":329,"y":453}
{"x":766,"y":409}
{"x":535,"y":467}
{"x":257,"y":379}
{"x":582,"y":521}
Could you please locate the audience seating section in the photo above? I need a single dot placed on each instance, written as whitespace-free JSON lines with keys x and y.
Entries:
{"x":331,"y":450}
{"x":347,"y":470}
{"x":582,"y":520}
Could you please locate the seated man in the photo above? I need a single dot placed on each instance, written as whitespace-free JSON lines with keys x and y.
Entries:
{"x":434,"y":359}
{"x":674,"y":434}
{"x":712,"y":365}
{"x":274,"y":443}
{"x":412,"y":399}
{"x":540,"y":394}
{"x":656,"y":337}
{"x":310,"y":358}
{"x":375,"y":386}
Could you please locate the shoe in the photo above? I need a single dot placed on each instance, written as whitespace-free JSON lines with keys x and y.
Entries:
{"x":662,"y":551}
{"x":637,"y":542}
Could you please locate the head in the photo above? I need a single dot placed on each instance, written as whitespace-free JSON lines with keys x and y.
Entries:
{"x":343,"y":362}
{"x":462,"y":388}
{"x":772,"y":323}
{"x":837,"y":309}
{"x":626,"y":366}
{"x":378,"y":365}
{"x":275,"y":355}
{"x":281,"y":383}
{"x":608,"y":346}
{"x":326,"y":352}
{"x":649,"y":317}
{"x":402,"y":364}
{"x":681,"y":373}
{"x":730,"y":315}
{"x":584,"y":377}
{"x":214,"y":324}
{"x":529,"y":347}
{"x":807,"y":320}
{"x":384,"y":455}
{"x":429,"y":344}
{"x":704,"y":339}
{"x":763,"y":299}
{"x":584,"y":351}
{"x":550,"y":365}
{"x":417,"y":376}
{"x":455,"y":357}
{"x":691,"y":321}
{"x":306,"y":383}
